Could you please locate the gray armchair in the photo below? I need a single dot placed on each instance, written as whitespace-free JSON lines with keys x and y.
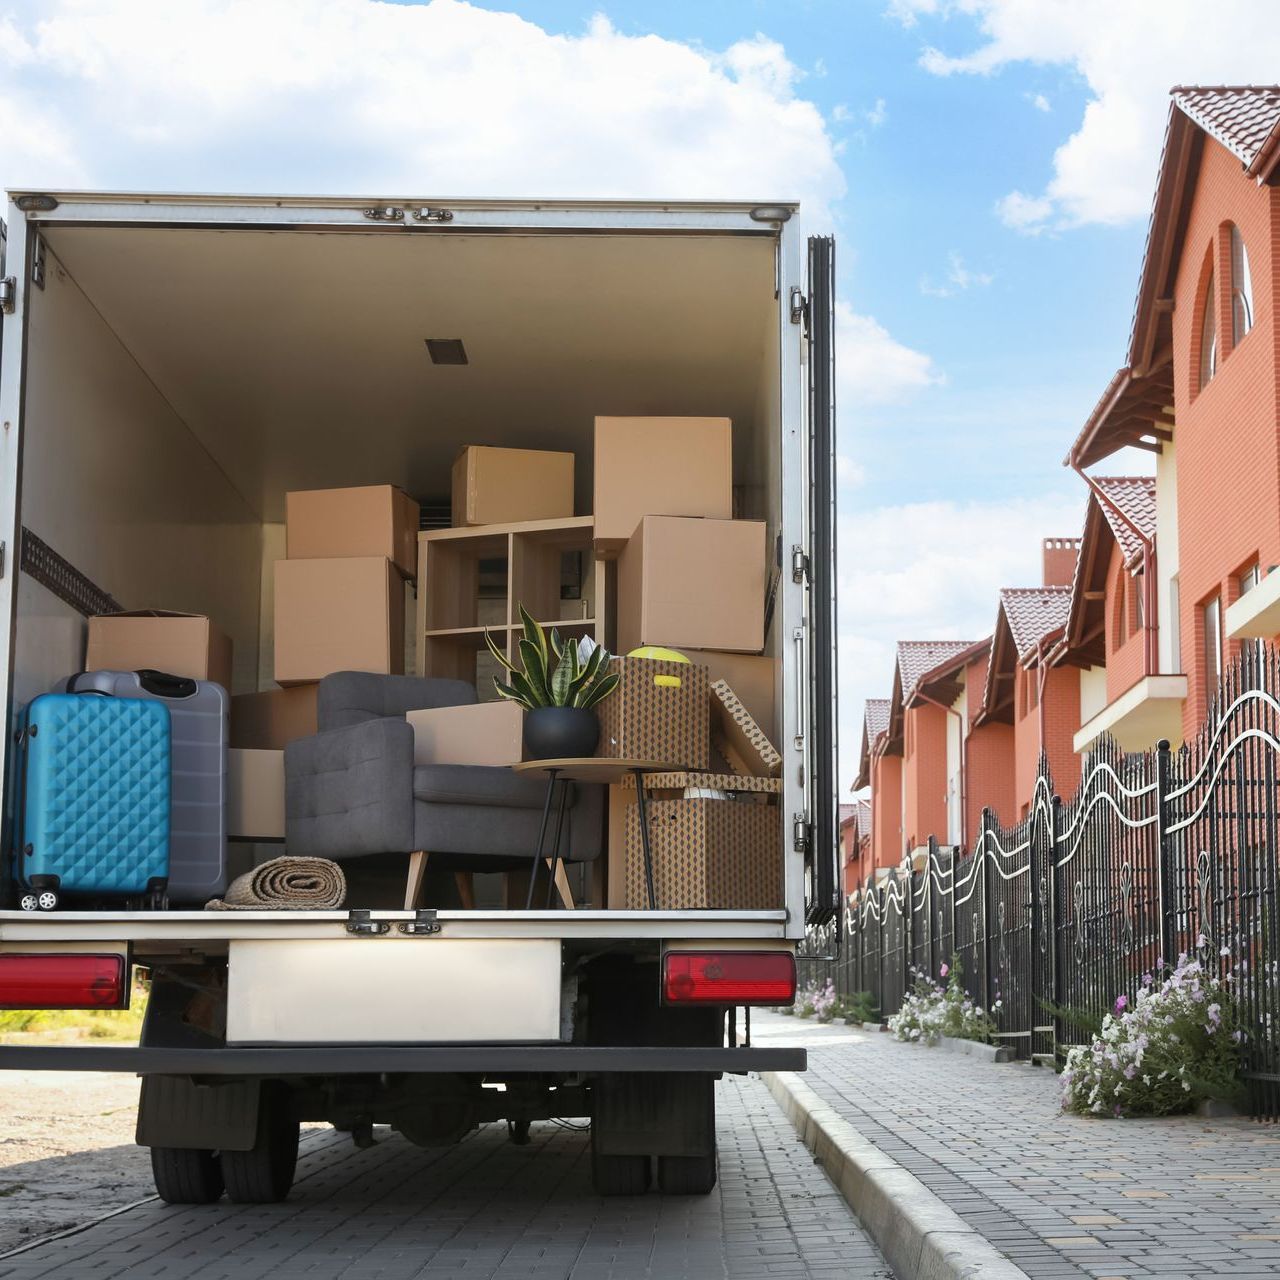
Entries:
{"x":352,"y":789}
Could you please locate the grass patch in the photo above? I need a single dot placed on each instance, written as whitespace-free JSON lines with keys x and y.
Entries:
{"x":12,"y":1189}
{"x":54,"y":1026}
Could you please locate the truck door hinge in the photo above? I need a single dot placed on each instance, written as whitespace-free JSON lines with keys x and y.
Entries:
{"x":37,"y":263}
{"x":800,"y":833}
{"x":423,"y":924}
{"x":360,"y":923}
{"x":8,"y":294}
{"x":433,"y":215}
{"x":799,"y":565}
{"x":384,"y":213}
{"x":799,"y":307}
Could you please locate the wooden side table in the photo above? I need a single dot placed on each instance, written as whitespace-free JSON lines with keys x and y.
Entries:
{"x":595,"y":771}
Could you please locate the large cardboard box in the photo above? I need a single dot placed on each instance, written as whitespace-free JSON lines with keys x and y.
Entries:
{"x":373,"y":520}
{"x":255,"y":795}
{"x":337,"y":615}
{"x":752,"y":677}
{"x":693,"y":582}
{"x":490,"y":733}
{"x":269,"y":721}
{"x":183,"y":644}
{"x":502,"y":486}
{"x":659,"y":467}
{"x":723,"y":855}
{"x":659,"y":711}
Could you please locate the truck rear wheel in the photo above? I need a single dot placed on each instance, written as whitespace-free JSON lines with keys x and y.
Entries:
{"x":686,"y":1175}
{"x":264,"y":1173}
{"x":185,"y":1176}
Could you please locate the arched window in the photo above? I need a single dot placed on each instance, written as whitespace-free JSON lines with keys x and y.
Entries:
{"x":1241,"y":288}
{"x":1208,"y":336}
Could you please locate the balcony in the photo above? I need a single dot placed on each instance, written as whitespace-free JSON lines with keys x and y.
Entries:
{"x":1256,"y":615}
{"x":1141,"y":716}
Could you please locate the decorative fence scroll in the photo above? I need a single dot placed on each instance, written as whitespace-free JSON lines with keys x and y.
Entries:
{"x":1158,"y":854}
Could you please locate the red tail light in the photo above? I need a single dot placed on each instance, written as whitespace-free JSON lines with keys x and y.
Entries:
{"x":729,"y":977}
{"x":63,"y":982}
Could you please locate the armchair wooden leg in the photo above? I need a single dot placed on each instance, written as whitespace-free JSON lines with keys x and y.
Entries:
{"x":466,"y":889}
{"x":562,"y":884}
{"x":413,"y":887}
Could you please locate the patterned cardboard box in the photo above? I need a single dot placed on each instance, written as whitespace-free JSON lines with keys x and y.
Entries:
{"x":737,"y":736}
{"x":707,"y":854}
{"x":679,"y":780}
{"x":658,"y":712}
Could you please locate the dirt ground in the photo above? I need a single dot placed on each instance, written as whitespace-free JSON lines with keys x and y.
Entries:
{"x":66,"y":1151}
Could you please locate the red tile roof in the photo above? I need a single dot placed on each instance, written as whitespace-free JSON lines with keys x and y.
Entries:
{"x":1244,"y":118}
{"x":1033,"y":614}
{"x":1136,"y":497}
{"x":875,"y":724}
{"x":918,"y":658}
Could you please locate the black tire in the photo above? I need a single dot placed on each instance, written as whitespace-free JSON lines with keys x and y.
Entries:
{"x":186,"y":1177}
{"x":518,"y":1132}
{"x":686,"y":1175}
{"x":264,"y":1173}
{"x":619,"y":1175}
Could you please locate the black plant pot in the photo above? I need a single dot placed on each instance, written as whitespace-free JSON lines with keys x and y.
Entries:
{"x":559,"y":733}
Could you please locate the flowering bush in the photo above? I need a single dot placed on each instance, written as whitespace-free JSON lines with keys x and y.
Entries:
{"x":932,"y":1010}
{"x":1172,"y":1047}
{"x":818,"y":999}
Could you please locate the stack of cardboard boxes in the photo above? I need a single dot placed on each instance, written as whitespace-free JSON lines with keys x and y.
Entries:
{"x":691,"y":578}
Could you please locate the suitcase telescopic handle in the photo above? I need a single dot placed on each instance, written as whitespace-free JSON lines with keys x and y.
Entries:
{"x":165,"y":685}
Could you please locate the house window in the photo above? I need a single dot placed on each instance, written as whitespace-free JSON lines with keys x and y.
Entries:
{"x":1241,"y":288}
{"x":1248,"y":580}
{"x":1211,"y":622}
{"x":1208,"y":336}
{"x":1139,"y":614}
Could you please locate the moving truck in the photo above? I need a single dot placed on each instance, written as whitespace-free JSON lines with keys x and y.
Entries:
{"x":171,"y":366}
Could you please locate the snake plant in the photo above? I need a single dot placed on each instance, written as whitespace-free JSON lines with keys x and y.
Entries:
{"x":554,"y":673}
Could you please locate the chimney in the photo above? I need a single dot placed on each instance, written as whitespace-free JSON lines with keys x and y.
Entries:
{"x":1059,"y":559}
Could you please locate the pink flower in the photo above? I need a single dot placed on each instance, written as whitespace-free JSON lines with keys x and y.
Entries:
{"x":943,"y":971}
{"x":1122,"y":1003}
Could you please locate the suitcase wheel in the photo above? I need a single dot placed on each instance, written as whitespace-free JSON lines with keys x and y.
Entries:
{"x":47,"y":901}
{"x":29,"y":902}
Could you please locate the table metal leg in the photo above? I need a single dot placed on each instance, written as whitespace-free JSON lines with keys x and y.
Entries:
{"x":542,"y":835}
{"x":643,"y":810}
{"x":555,"y":848}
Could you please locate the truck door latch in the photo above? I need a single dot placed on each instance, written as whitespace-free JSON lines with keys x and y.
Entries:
{"x":360,"y":923}
{"x":423,"y":924}
{"x":433,"y":215}
{"x":8,"y":294}
{"x":384,"y":213}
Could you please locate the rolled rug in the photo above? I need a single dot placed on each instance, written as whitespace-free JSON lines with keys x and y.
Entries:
{"x":286,"y":884}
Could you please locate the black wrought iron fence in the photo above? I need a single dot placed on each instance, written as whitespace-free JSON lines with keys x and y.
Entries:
{"x":1159,"y":854}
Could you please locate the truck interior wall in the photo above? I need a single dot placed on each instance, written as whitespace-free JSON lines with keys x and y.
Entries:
{"x":116,"y":484}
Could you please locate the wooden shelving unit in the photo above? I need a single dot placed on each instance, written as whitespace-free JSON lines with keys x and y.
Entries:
{"x":453,"y":611}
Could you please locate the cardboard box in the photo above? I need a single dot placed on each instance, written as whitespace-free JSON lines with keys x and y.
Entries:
{"x":374,"y":520}
{"x":183,"y":644}
{"x":738,"y":738}
{"x":658,"y":712}
{"x":693,"y":582}
{"x":271,"y":720}
{"x":753,"y":678}
{"x":490,"y":733}
{"x":659,"y":467}
{"x":337,"y":615}
{"x":255,"y":795}
{"x":502,"y":486}
{"x":716,"y":855}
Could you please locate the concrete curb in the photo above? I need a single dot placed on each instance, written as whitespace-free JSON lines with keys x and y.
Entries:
{"x":920,"y":1237}
{"x":976,"y":1049}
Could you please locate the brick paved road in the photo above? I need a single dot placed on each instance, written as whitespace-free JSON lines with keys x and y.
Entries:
{"x":1060,"y":1195}
{"x":490,"y":1209}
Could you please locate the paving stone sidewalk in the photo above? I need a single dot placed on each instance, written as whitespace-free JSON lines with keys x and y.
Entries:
{"x":1180,"y":1198}
{"x":486,"y":1208}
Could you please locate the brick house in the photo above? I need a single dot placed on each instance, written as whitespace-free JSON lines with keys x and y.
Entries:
{"x":1200,"y":390}
{"x":855,"y":845}
{"x":883,"y":774}
{"x":1037,"y":701}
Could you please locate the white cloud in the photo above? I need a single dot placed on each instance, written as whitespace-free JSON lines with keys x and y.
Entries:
{"x":959,"y":278}
{"x":876,"y":115}
{"x":873,"y":367}
{"x":926,"y":571}
{"x":1129,"y":55}
{"x":1040,"y":102}
{"x":850,"y":473}
{"x":1028,"y":214}
{"x":354,"y":95}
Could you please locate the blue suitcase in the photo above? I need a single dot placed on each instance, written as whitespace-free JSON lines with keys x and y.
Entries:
{"x":95,"y":803}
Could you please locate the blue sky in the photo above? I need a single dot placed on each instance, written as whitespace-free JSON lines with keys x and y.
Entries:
{"x":986,"y":165}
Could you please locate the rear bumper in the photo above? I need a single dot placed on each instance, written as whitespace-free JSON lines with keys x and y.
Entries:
{"x":339,"y":1060}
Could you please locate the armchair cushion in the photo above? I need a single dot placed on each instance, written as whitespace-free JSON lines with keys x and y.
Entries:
{"x":350,"y":697}
{"x":480,"y":785}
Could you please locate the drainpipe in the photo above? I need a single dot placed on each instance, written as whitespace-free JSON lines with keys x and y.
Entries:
{"x":964,"y":751}
{"x":1150,"y":589}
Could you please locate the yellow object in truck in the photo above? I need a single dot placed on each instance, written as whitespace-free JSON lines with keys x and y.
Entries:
{"x":658,"y":654}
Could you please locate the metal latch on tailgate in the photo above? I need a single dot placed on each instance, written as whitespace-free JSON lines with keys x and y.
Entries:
{"x":8,"y":294}
{"x":423,"y":924}
{"x":360,"y":922}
